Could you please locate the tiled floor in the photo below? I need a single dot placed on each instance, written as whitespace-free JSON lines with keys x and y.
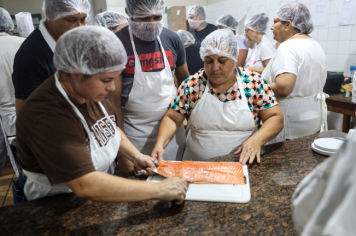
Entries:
{"x":6,"y":190}
{"x":6,"y":198}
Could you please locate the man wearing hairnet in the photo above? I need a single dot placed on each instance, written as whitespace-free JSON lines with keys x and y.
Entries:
{"x":297,"y":73}
{"x":192,"y":48}
{"x":197,"y":21}
{"x":8,"y":47}
{"x":146,"y":87}
{"x":114,"y":21}
{"x":34,"y":61}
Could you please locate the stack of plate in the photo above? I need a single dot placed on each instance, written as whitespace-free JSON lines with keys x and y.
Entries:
{"x":326,"y":146}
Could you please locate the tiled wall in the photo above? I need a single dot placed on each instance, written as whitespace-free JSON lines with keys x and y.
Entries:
{"x":338,"y":42}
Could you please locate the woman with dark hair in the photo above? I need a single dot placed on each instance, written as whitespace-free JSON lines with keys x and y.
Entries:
{"x":66,"y":130}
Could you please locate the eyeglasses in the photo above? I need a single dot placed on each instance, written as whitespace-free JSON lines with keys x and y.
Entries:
{"x":246,"y":30}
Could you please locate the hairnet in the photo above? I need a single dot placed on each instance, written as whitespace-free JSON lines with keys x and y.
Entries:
{"x":57,"y":9}
{"x":186,"y":37}
{"x":110,"y":19}
{"x":6,"y":24}
{"x":146,"y":31}
{"x":298,"y":14}
{"x":228,"y":21}
{"x":259,"y":20}
{"x":145,"y":8}
{"x":220,"y":42}
{"x":197,"y":10}
{"x":89,"y":50}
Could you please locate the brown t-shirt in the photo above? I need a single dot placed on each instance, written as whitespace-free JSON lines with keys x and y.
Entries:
{"x":50,"y":137}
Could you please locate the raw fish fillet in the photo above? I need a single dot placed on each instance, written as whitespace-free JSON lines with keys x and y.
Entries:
{"x":203,"y":172}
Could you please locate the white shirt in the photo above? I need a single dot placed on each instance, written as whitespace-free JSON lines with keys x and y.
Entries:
{"x":9,"y":45}
{"x":304,"y":58}
{"x":261,"y":52}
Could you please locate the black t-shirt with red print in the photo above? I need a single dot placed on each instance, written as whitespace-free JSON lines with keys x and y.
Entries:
{"x":150,"y":55}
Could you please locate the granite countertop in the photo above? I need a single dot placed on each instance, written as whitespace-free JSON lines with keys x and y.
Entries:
{"x":272,"y":182}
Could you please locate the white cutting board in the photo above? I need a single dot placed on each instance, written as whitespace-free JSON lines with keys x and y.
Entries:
{"x":233,"y":193}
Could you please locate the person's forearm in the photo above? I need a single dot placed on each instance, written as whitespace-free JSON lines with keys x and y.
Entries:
{"x":258,"y":70}
{"x":280,"y":94}
{"x":102,"y":187}
{"x":166,"y":131}
{"x":269,"y":130}
{"x":127,"y":149}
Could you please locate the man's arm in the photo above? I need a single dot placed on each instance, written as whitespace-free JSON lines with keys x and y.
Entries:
{"x":182,"y":73}
{"x":125,"y":168}
{"x":284,"y":85}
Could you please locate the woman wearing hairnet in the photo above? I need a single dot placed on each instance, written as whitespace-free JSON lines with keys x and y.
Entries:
{"x":147,"y":85}
{"x":114,"y":21}
{"x":192,"y":48}
{"x":197,"y":21}
{"x":34,"y":61}
{"x":79,"y":151}
{"x":297,"y":73}
{"x":228,"y":21}
{"x":223,"y":104}
{"x":255,"y":29}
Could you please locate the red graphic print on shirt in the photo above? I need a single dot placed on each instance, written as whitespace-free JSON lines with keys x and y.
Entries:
{"x":149,"y":61}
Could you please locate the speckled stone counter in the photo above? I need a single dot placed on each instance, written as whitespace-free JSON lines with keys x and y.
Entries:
{"x":282,"y":167}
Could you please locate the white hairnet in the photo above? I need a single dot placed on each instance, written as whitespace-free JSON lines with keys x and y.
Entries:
{"x":228,"y":21}
{"x":6,"y":24}
{"x":186,"y":37}
{"x":197,"y":10}
{"x":220,"y":42}
{"x":298,"y":14}
{"x":259,"y":20}
{"x":57,"y":9}
{"x":89,"y":50}
{"x":145,"y":8}
{"x":110,"y":19}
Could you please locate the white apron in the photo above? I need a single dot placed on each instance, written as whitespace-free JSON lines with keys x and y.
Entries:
{"x":4,"y":34}
{"x":148,"y":102}
{"x":302,"y":115}
{"x":218,"y":128}
{"x":38,"y":185}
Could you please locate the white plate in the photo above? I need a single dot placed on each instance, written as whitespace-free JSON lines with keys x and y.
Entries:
{"x":328,"y":144}
{"x":233,"y":193}
{"x":320,"y":151}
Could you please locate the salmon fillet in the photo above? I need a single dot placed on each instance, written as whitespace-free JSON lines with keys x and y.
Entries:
{"x":203,"y":172}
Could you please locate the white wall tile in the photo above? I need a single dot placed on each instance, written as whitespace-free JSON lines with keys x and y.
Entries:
{"x":334,"y":6}
{"x":333,"y":34}
{"x":342,"y":60}
{"x":331,"y":60}
{"x":345,"y":33}
{"x":353,"y":47}
{"x":333,"y":20}
{"x":343,"y":47}
{"x":332,"y":47}
{"x":353,"y":34}
{"x":322,"y":34}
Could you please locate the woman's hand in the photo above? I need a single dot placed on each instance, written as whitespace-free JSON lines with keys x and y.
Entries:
{"x":144,"y":164}
{"x":172,"y":189}
{"x":250,"y":149}
{"x":157,"y":153}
